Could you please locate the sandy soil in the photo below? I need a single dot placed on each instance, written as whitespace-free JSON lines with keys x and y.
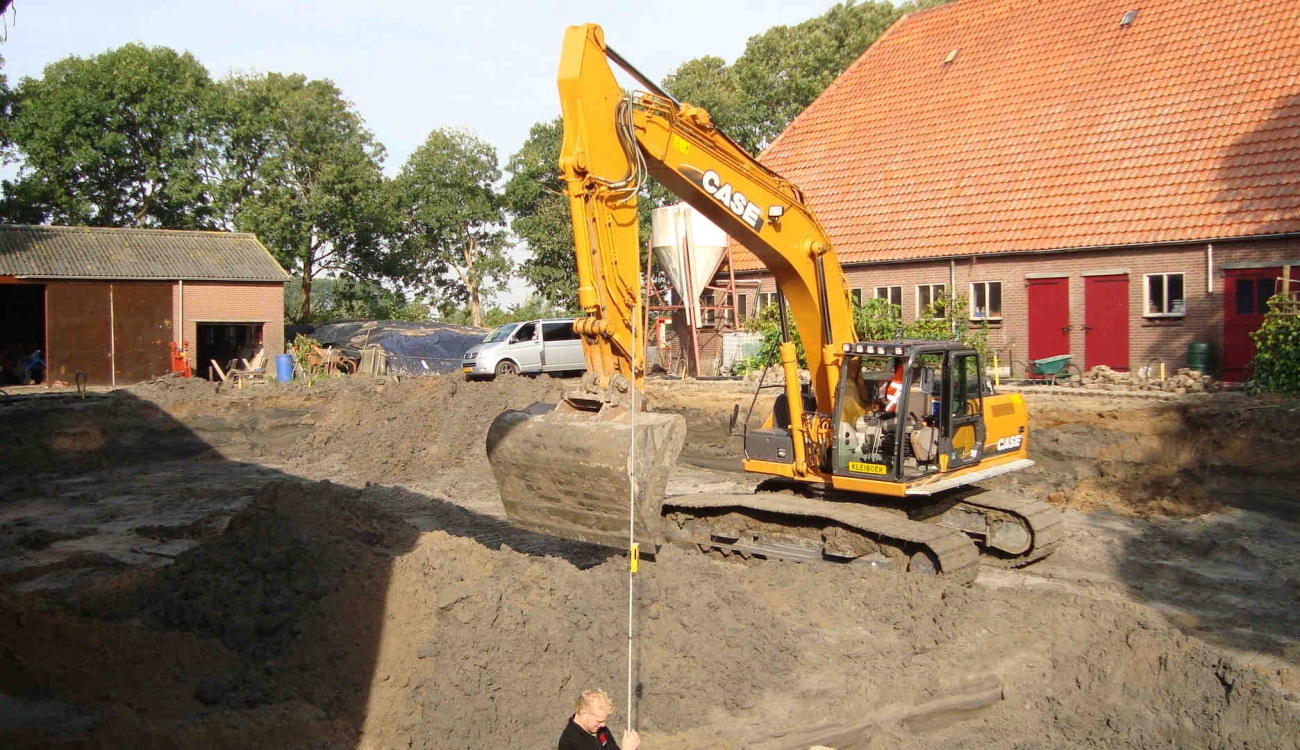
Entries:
{"x":283,"y":566}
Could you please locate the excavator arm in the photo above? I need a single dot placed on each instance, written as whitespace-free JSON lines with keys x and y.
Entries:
{"x":612,"y":141}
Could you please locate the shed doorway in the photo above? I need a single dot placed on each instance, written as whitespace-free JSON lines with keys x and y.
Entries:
{"x":22,"y":308}
{"x":225,"y":343}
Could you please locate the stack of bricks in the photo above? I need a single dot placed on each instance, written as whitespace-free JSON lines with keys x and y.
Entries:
{"x":1184,"y":380}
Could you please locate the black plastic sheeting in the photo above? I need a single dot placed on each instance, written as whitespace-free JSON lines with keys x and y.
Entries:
{"x":412,"y":348}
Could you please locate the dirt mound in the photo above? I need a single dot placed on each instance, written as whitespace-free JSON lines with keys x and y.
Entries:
{"x":316,"y":604}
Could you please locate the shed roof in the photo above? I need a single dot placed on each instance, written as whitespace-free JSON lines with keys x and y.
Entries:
{"x":1055,"y":126}
{"x":137,"y":254}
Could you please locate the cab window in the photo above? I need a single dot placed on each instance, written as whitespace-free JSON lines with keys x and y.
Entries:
{"x":966,"y":388}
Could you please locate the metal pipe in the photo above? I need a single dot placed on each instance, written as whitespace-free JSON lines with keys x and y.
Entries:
{"x":1209,"y":268}
{"x":112,"y":340}
{"x":821,"y":298}
{"x":952,"y":297}
{"x":180,"y":327}
{"x":780,"y":310}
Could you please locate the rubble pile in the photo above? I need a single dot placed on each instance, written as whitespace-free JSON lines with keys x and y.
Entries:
{"x":1184,"y":380}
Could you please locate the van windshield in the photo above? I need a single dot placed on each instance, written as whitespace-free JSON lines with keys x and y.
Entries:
{"x":502,"y":333}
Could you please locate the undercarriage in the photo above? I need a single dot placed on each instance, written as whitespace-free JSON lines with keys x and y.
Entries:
{"x":949,"y":535}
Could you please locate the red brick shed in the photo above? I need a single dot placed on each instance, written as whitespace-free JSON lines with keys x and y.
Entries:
{"x":1111,"y":179}
{"x":109,"y":302}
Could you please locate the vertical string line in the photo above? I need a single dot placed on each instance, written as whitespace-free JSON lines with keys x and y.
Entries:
{"x":631,"y":521}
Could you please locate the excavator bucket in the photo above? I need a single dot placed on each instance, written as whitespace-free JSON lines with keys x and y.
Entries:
{"x":565,"y":473}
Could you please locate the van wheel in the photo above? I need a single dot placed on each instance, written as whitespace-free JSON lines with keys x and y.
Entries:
{"x":506,"y":367}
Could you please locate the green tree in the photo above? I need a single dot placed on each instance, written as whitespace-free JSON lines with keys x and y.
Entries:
{"x":119,"y":139}
{"x":345,"y":298}
{"x":450,"y":221}
{"x":1276,"y":367}
{"x":303,"y":173}
{"x":539,"y":211}
{"x":783,"y":69}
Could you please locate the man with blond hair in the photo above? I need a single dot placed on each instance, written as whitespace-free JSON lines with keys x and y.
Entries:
{"x":587,"y":729}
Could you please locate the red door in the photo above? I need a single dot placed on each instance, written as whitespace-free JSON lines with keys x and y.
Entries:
{"x":1105,"y":321}
{"x":1049,"y":317}
{"x":1245,"y":300}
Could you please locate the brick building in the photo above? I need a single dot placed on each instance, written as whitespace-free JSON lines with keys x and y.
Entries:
{"x":107,"y":302}
{"x":1105,"y":178}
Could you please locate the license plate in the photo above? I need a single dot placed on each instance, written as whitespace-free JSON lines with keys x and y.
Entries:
{"x":469,"y":369}
{"x":862,"y":468}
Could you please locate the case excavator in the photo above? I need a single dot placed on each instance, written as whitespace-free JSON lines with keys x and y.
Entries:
{"x":874,"y":462}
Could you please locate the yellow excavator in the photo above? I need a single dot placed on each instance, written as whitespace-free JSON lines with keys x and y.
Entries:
{"x":873,"y":462}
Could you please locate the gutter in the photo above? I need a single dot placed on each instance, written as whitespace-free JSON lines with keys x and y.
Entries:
{"x":1058,"y":250}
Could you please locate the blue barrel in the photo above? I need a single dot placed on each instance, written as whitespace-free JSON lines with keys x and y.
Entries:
{"x":284,"y":367}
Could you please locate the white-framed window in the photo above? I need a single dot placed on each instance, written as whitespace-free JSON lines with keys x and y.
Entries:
{"x":856,"y":294}
{"x":926,"y":296}
{"x":1163,"y":296}
{"x":765,"y":299}
{"x":986,"y":300}
{"x":892,"y":293}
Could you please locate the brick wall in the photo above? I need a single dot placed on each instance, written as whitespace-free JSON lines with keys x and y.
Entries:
{"x":1163,"y":339}
{"x":230,"y":302}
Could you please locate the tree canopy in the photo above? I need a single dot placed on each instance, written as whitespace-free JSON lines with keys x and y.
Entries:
{"x":783,"y":69}
{"x":536,"y":200}
{"x":451,"y":221}
{"x":303,"y":173}
{"x":119,"y":139}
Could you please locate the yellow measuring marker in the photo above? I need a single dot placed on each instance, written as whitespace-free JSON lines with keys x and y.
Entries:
{"x":634,"y":559}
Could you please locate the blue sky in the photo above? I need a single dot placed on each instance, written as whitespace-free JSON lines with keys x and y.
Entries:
{"x":408,"y":67}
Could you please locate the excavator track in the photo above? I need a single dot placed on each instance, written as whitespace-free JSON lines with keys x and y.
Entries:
{"x":949,"y":553}
{"x":1012,"y":531}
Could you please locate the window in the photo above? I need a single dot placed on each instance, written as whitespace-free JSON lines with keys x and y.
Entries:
{"x":708,"y":315}
{"x":986,"y":300}
{"x":1253,"y":294}
{"x":856,"y":294}
{"x":526,"y":332}
{"x":929,"y":301}
{"x":1164,"y":295}
{"x":892,"y":293}
{"x":559,"y":331}
{"x":741,"y":305}
{"x":765,"y":299}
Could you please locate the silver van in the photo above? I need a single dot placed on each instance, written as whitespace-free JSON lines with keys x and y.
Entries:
{"x":534,"y":346}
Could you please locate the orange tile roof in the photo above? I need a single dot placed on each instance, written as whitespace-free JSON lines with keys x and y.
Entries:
{"x":1056,"y":127}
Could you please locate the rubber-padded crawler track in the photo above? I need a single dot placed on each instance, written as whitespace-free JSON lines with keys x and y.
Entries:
{"x":957,"y":555}
{"x":1045,"y":523}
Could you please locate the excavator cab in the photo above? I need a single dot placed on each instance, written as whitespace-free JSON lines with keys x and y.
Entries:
{"x":906,"y":410}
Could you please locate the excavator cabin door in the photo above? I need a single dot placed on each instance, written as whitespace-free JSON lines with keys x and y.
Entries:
{"x":963,"y":410}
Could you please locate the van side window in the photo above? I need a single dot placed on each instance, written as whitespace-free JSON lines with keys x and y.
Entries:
{"x":526,"y":332}
{"x":562,"y":331}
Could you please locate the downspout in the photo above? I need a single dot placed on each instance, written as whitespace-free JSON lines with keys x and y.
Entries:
{"x":952,"y":296}
{"x":1209,"y":268}
{"x":112,"y":340}
{"x":180,"y":324}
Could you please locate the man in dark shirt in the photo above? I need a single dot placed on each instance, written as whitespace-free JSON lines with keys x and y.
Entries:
{"x":586,"y":729}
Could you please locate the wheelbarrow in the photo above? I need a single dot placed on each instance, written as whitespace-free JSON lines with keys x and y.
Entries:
{"x":1054,"y":369}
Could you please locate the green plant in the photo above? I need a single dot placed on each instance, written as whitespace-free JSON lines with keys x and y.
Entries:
{"x":1277,"y":352}
{"x":768,"y":323}
{"x":303,"y":348}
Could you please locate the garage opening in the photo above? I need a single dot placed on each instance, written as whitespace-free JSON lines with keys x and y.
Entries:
{"x":22,"y":337}
{"x":226,"y":343}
